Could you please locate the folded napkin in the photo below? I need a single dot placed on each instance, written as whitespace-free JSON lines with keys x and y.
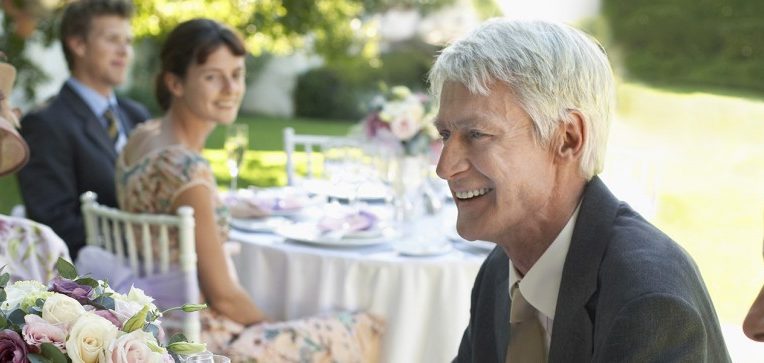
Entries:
{"x":254,"y":204}
{"x":347,"y":222}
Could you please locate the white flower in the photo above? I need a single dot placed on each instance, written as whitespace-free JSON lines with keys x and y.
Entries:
{"x":125,"y":306}
{"x":61,"y":309}
{"x":89,"y":338}
{"x":17,"y":291}
{"x":137,"y":295}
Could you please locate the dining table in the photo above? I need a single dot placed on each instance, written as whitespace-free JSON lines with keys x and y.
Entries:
{"x":418,"y":279}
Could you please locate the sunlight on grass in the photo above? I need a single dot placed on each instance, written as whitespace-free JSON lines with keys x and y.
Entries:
{"x":706,"y":154}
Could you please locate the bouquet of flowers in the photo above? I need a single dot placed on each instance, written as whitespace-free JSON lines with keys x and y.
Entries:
{"x":82,"y":320}
{"x":402,"y":121}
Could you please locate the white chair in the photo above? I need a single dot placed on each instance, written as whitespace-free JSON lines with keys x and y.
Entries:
{"x":114,"y":231}
{"x":310,"y":143}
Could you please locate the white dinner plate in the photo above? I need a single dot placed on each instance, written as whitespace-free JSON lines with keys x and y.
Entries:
{"x":425,"y":249}
{"x":267,"y":225}
{"x":483,"y":245}
{"x":308,"y":232}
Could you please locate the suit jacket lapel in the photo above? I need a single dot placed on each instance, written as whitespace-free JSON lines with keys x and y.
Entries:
{"x":93,"y":128}
{"x":501,"y":316}
{"x":573,"y":328}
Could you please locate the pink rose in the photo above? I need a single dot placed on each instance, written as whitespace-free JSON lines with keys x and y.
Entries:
{"x":110,"y":316}
{"x":37,"y":331}
{"x":134,"y":347}
{"x":404,"y":127}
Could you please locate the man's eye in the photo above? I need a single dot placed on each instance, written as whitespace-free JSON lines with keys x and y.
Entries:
{"x":444,"y":135}
{"x":476,"y":134}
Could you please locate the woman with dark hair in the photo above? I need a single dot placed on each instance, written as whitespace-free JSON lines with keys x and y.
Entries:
{"x":200,"y":85}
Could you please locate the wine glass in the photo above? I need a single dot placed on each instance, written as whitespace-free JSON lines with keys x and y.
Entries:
{"x":236,"y":142}
{"x":207,"y":357}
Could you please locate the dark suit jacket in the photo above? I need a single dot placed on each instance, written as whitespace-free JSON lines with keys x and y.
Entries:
{"x":628,"y":294}
{"x":70,"y":153}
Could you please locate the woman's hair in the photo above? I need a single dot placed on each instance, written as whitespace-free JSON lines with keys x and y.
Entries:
{"x":551,"y":68}
{"x":193,"y":40}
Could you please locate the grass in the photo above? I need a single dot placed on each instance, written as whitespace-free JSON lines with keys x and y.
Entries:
{"x":703,"y":154}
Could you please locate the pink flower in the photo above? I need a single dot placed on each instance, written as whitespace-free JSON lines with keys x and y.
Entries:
{"x":404,"y":127}
{"x":133,"y":347}
{"x":38,"y":331}
{"x":110,"y":316}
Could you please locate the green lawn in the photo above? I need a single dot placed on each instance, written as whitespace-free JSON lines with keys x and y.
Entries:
{"x":705,"y":154}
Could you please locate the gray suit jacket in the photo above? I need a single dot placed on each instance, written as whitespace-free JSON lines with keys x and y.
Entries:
{"x":628,"y":294}
{"x":70,"y":153}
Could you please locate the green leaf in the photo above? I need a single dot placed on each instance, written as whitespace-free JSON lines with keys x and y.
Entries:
{"x":51,"y":352}
{"x":179,"y":337}
{"x":3,"y":322}
{"x":17,"y":317}
{"x":87,"y":281}
{"x":186,"y":348}
{"x":137,"y":321}
{"x":36,"y":358}
{"x":3,"y":296}
{"x":66,"y":269}
{"x":4,"y":278}
{"x":104,"y":302}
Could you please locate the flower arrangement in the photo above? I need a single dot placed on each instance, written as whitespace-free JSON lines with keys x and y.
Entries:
{"x":82,"y":320}
{"x":402,"y":121}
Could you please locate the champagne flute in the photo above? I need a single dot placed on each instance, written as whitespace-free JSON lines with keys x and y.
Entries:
{"x":236,"y":142}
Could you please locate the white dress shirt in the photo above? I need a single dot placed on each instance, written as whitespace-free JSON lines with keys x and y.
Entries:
{"x":541,"y":285}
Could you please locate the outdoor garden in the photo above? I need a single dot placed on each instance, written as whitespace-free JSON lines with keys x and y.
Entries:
{"x":690,"y":117}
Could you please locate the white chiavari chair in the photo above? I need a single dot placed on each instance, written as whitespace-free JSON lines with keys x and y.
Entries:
{"x":114,"y":231}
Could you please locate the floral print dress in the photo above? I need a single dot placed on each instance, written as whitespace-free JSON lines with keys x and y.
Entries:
{"x":151,"y":185}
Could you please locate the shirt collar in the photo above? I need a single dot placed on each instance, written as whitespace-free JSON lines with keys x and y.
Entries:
{"x":95,"y":101}
{"x":541,"y":285}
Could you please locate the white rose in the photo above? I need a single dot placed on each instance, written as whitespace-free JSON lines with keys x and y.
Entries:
{"x":134,"y":347}
{"x":61,"y":309}
{"x":17,"y":291}
{"x":89,"y":338}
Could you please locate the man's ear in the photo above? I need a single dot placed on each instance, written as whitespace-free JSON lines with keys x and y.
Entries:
{"x":77,"y":45}
{"x":571,"y":136}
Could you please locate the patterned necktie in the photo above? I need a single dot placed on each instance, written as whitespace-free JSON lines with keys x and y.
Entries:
{"x":526,"y":337}
{"x":112,"y":124}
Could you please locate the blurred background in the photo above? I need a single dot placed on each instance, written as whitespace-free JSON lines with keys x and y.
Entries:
{"x":686,"y":149}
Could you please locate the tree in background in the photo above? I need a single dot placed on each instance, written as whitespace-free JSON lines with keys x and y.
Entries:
{"x":715,"y":43}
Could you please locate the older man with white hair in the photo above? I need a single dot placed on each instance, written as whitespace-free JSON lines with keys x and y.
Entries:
{"x":577,"y":275}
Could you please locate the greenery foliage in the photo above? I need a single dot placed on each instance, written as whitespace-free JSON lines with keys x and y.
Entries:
{"x":690,"y":42}
{"x":343,"y":91}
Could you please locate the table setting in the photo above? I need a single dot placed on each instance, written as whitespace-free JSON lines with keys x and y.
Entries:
{"x":311,"y":254}
{"x":374,"y":232}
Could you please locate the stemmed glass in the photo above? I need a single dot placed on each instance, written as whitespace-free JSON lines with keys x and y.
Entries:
{"x":236,"y":142}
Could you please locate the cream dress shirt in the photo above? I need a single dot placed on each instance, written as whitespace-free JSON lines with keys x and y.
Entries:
{"x":541,"y":284}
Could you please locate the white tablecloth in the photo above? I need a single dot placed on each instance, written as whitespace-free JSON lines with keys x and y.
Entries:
{"x":424,"y":300}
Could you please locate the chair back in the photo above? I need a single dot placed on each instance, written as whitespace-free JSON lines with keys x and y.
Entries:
{"x":310,"y":143}
{"x":114,"y":231}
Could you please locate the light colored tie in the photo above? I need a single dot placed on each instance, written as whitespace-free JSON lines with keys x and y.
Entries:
{"x":526,"y":337}
{"x":112,"y":125}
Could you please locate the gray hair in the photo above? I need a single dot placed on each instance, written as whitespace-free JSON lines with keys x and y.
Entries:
{"x":551,"y":68}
